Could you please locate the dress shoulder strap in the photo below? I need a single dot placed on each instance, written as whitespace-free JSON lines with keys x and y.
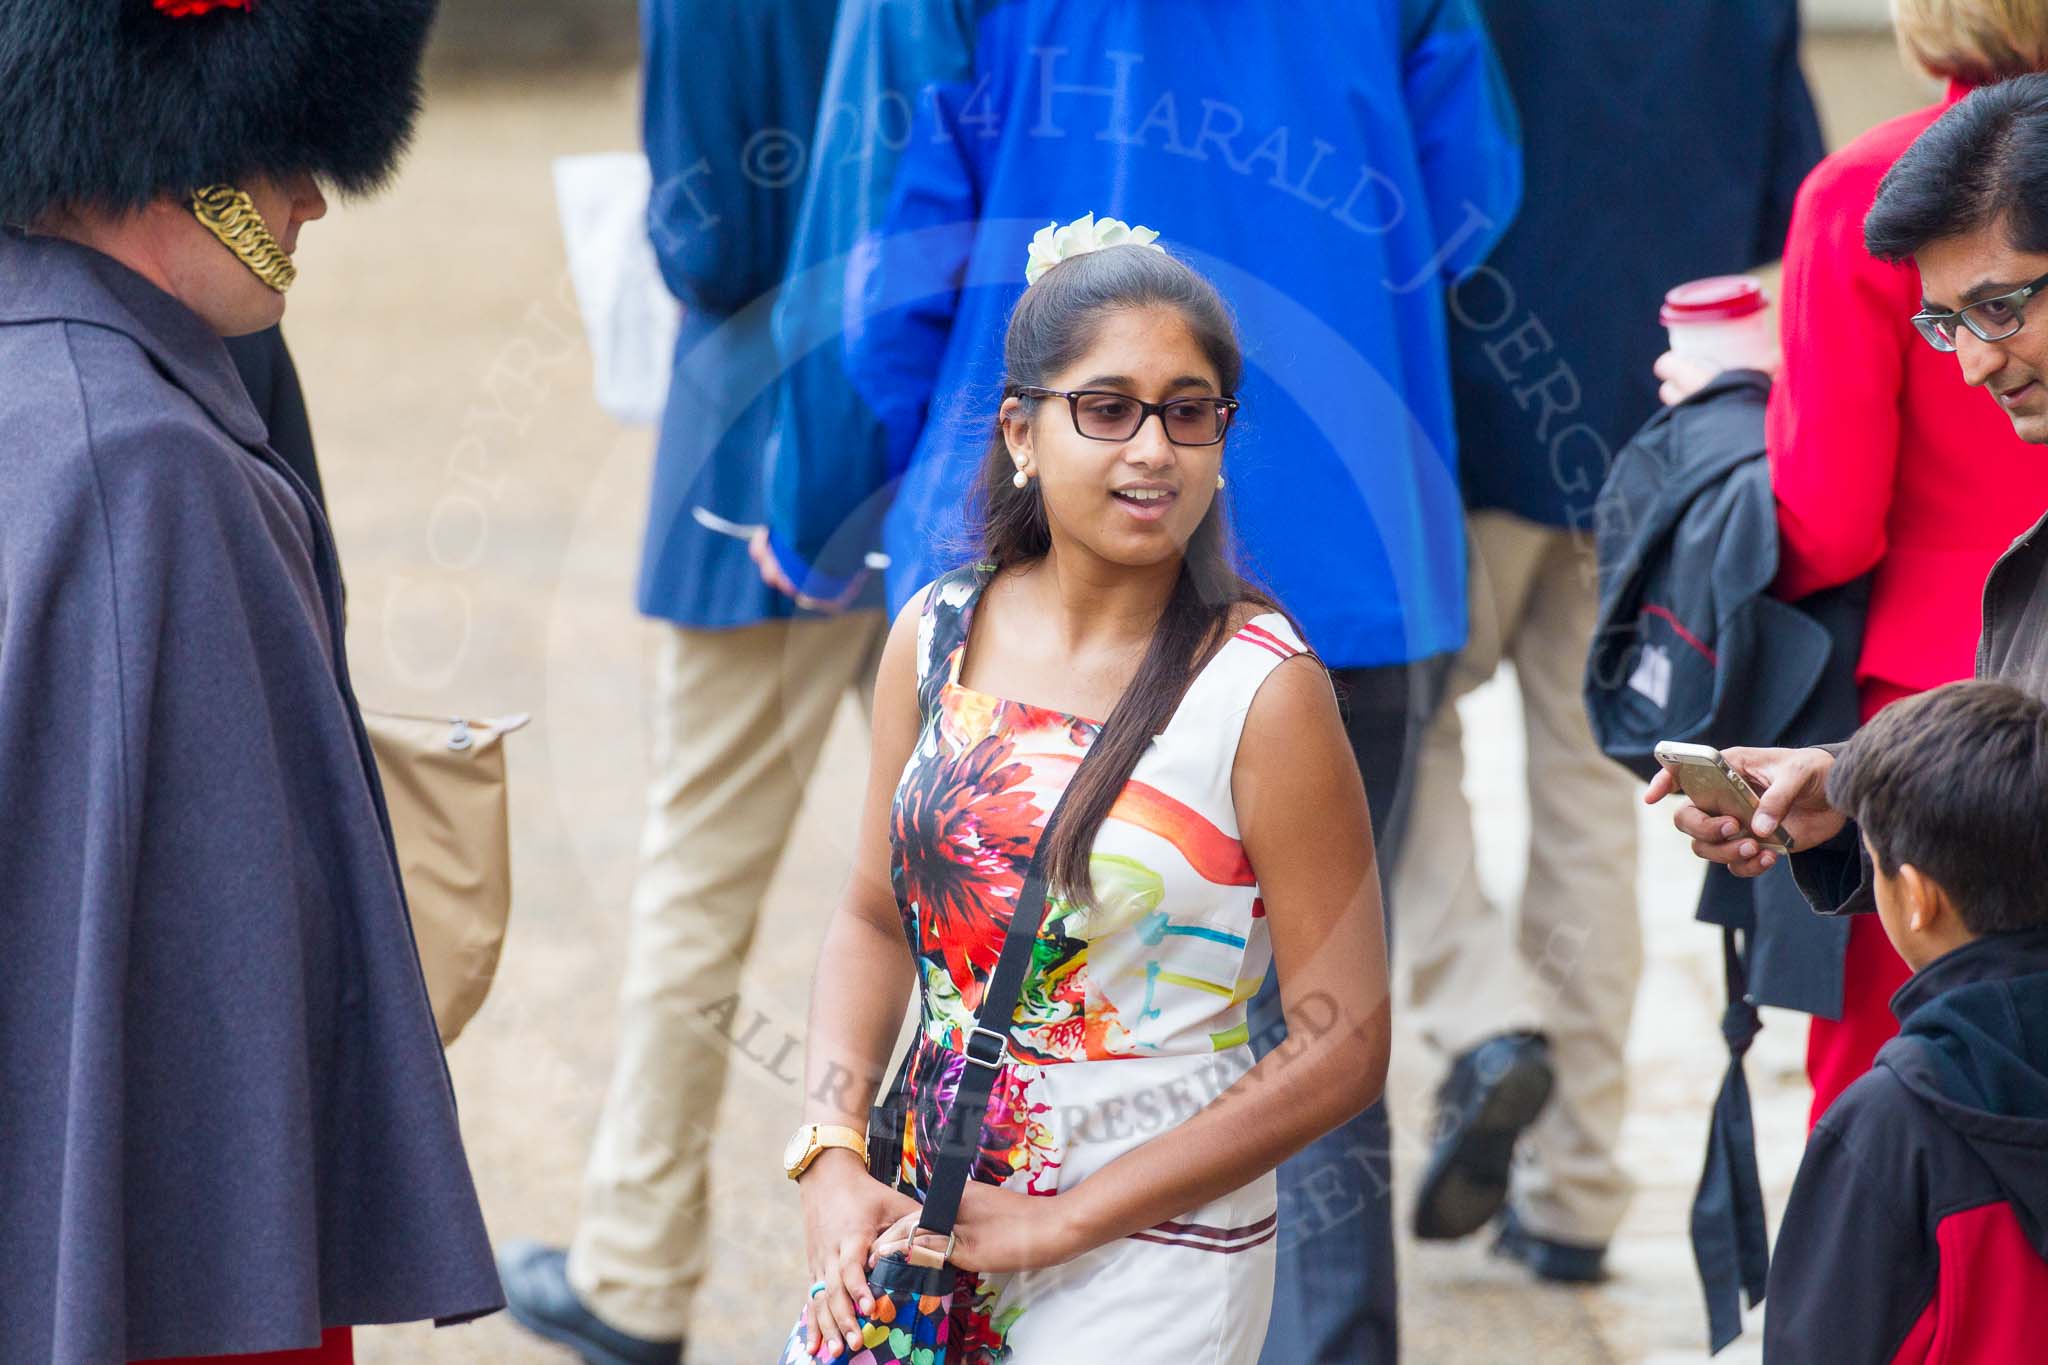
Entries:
{"x":1219,"y":698}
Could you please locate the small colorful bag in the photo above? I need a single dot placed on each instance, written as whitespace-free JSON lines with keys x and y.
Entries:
{"x":909,"y":1324}
{"x":914,"y":1290}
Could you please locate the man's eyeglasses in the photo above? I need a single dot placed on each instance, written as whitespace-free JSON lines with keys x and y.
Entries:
{"x":1992,"y":319}
{"x":1104,"y":415}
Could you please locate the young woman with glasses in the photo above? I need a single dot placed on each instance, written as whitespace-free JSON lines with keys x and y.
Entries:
{"x":1123,"y":1205}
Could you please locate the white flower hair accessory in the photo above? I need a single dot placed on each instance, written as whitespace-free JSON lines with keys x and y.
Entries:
{"x":1054,"y":243}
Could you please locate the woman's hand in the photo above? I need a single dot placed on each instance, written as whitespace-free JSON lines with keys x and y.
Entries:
{"x":764,"y":562}
{"x":844,"y":1209}
{"x":771,"y":573}
{"x":997,"y":1230}
{"x":1682,"y":376}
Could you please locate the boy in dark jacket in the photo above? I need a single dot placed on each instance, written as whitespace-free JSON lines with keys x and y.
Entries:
{"x":1918,"y":1225}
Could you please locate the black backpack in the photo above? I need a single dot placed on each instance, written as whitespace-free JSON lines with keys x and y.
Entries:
{"x":1690,"y":645}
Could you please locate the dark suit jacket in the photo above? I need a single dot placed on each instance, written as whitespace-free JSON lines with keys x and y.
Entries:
{"x":1665,"y":140}
{"x":1835,"y":877}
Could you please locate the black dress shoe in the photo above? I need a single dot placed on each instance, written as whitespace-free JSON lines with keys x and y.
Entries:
{"x":1562,"y":1262}
{"x":537,"y":1292}
{"x":1494,"y":1091}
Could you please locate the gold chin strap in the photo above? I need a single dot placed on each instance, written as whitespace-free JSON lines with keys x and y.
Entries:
{"x":230,"y":215}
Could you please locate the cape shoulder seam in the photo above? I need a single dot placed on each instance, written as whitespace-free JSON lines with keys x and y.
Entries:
{"x":99,"y":495}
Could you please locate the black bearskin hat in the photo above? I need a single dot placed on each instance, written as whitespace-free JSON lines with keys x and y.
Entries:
{"x":111,"y":103}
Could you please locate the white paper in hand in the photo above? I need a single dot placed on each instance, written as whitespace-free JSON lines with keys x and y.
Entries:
{"x":630,"y":316}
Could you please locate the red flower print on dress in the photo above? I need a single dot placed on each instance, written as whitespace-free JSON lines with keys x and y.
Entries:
{"x":1016,"y":1133}
{"x":965,"y":830}
{"x":191,"y":9}
{"x":976,"y":1335}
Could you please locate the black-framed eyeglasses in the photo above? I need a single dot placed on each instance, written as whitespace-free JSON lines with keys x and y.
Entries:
{"x":1992,"y":319}
{"x":1105,"y":415}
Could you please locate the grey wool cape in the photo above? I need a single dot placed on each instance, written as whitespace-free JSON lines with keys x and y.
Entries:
{"x":225,"y":1120}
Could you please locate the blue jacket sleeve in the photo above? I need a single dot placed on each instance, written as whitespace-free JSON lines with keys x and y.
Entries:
{"x":903,"y":284}
{"x":829,"y":476}
{"x":719,"y":158}
{"x":1468,"y":139}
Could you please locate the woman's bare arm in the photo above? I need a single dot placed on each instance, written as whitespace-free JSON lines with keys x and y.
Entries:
{"x":864,"y":975}
{"x":1302,"y":817}
{"x":859,"y":992}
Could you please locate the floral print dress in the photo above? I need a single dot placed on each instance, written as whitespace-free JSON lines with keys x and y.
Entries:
{"x":1132,"y":1015}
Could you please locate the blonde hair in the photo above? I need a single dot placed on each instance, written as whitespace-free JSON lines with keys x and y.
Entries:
{"x":1978,"y":42}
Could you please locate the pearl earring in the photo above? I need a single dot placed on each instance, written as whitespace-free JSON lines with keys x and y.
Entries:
{"x":1020,"y":478}
{"x":1219,"y":481}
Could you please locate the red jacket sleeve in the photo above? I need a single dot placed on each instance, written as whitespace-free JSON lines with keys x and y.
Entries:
{"x":1833,"y":424}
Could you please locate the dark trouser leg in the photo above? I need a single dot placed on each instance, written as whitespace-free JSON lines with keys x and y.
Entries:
{"x":1336,"y":1299}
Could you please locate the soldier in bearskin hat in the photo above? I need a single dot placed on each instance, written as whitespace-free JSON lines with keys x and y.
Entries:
{"x":227,"y":1125}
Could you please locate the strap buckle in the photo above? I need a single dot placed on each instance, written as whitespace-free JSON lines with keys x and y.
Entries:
{"x":925,"y":1257}
{"x":1002,"y":1049}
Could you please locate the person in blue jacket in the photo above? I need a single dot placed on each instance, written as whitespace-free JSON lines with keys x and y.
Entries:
{"x":749,"y":684}
{"x":1669,"y":140}
{"x":1332,"y":168}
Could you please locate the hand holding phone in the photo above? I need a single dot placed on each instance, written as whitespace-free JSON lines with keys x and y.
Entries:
{"x":1717,"y":788}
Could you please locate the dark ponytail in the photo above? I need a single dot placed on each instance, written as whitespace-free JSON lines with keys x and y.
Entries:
{"x":1053,"y":326}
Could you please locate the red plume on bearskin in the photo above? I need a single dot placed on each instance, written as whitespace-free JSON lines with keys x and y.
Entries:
{"x":112,"y":103}
{"x":192,"y":9}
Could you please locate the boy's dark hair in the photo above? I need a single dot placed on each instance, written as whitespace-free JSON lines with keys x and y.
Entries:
{"x":1982,"y":161}
{"x":1955,"y":782}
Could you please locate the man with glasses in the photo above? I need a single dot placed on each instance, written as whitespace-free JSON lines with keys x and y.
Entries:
{"x":1968,"y":205}
{"x":1989,"y":319}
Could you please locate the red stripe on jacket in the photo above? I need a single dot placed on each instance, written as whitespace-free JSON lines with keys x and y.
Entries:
{"x":1990,"y":1303}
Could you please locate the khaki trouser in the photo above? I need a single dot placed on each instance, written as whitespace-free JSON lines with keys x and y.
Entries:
{"x":1569,"y":964}
{"x":740,"y":718}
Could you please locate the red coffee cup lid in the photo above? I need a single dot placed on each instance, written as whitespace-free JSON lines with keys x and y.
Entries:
{"x":1721,"y":298}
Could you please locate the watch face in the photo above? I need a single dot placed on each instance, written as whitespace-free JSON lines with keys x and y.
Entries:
{"x":799,"y":1143}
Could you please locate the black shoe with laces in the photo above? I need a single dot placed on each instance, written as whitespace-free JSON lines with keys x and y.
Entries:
{"x":538,"y":1293}
{"x":1548,"y":1259}
{"x":1494,"y":1091}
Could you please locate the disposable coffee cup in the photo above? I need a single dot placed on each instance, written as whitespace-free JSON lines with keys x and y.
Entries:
{"x":1723,"y":321}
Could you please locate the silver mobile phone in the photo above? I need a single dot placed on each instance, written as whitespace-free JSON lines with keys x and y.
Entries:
{"x":1716,"y":788}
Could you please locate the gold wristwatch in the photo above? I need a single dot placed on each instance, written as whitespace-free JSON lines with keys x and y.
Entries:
{"x":813,"y":1138}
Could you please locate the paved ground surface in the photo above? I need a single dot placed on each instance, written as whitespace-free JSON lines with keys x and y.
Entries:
{"x":490,"y":515}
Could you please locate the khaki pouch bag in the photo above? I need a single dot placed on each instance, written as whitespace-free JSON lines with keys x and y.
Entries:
{"x":444,"y":784}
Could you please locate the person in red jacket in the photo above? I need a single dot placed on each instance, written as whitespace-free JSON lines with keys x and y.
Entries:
{"x":1917,"y":1230}
{"x":1883,"y":460}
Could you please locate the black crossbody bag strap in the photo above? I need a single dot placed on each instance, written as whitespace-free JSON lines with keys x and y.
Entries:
{"x":988,"y":1045}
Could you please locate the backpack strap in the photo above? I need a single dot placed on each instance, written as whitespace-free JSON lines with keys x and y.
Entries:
{"x":942,"y":630}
